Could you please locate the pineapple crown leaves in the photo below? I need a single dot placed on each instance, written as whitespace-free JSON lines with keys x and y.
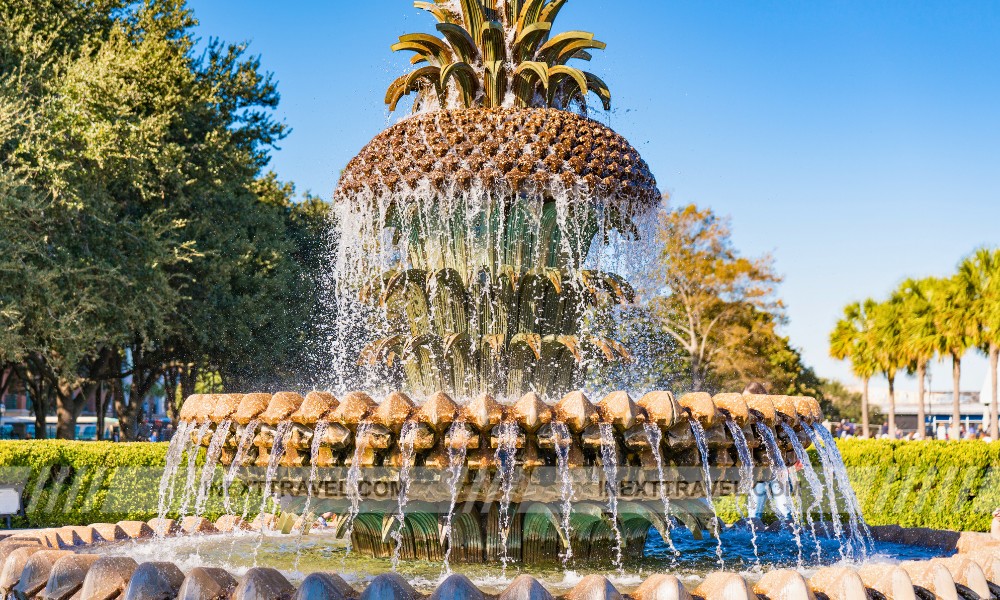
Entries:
{"x":492,"y":48}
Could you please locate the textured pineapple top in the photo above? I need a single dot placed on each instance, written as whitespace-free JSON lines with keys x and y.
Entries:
{"x":507,"y":150}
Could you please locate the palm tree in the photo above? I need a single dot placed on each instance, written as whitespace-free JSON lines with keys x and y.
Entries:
{"x":919,"y":343}
{"x":957,"y":332}
{"x":852,"y":339}
{"x":980,"y":274}
{"x":888,"y":351}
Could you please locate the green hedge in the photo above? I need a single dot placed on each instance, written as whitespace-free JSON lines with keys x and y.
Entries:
{"x":943,"y":485}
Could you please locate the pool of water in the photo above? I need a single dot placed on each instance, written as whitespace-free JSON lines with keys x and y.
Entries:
{"x":298,"y":556}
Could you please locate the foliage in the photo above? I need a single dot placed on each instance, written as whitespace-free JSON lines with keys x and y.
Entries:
{"x":841,"y":403}
{"x":489,"y":51}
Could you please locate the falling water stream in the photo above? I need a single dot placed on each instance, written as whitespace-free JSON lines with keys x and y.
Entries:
{"x":459,"y":442}
{"x":267,"y":494}
{"x":563,"y":441}
{"x":812,"y":480}
{"x":175,"y":452}
{"x":314,"y":448}
{"x":859,"y":529}
{"x":609,"y":460}
{"x":407,"y":439}
{"x":361,"y":441}
{"x":831,"y":492}
{"x":746,"y":479}
{"x":781,"y":476}
{"x":655,"y":437}
{"x":505,"y":456}
{"x":192,"y":467}
{"x":242,"y":449}
{"x":706,"y":468}
{"x":208,"y":471}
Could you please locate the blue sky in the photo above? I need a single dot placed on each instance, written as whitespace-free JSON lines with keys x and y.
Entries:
{"x":856,"y":141}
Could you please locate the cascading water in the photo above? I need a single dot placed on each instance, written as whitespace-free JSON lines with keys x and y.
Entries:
{"x":812,"y":480}
{"x":562,"y":445}
{"x":655,"y":437}
{"x":192,"y":467}
{"x":208,"y":471}
{"x":746,"y":479}
{"x":609,"y":461}
{"x":831,"y":493}
{"x":706,"y":468}
{"x":458,"y":444}
{"x":781,"y":476}
{"x":267,"y":494}
{"x":242,"y":449}
{"x":407,"y":439}
{"x":319,"y":432}
{"x":175,"y":452}
{"x":858,"y":526}
{"x":354,"y":479}
{"x":505,"y":456}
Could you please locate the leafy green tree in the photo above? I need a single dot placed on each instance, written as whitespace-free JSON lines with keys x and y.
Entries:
{"x":852,"y":339}
{"x":980,"y":277}
{"x":889,"y":350}
{"x":957,"y":331}
{"x":919,"y":336}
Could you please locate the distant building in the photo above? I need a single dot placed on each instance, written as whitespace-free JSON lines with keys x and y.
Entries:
{"x":937,"y":409}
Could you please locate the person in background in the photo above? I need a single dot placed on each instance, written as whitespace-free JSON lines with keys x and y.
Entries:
{"x":754,"y":388}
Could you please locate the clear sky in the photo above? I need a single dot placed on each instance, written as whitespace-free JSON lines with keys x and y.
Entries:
{"x":857,"y":141}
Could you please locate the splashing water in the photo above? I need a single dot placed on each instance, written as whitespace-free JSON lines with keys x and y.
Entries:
{"x":277,"y":452}
{"x":609,"y":460}
{"x":314,"y":448}
{"x":702,"y":441}
{"x":459,"y":439}
{"x":746,"y":479}
{"x":506,"y":455}
{"x":211,"y":459}
{"x":407,"y":439}
{"x":781,"y":476}
{"x":812,"y":480}
{"x":361,"y":440}
{"x":563,"y":441}
{"x":831,"y":493}
{"x":192,"y":467}
{"x":655,"y":437}
{"x":859,"y":529}
{"x":242,"y":449}
{"x":175,"y":451}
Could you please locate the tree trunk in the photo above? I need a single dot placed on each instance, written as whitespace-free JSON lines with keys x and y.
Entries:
{"x":171,"y":381}
{"x":892,"y":407}
{"x":189,"y":378}
{"x":994,"y":414}
{"x":102,"y":407}
{"x":697,"y":378}
{"x":921,"y":416}
{"x":956,"y":399}
{"x":865,"y":426}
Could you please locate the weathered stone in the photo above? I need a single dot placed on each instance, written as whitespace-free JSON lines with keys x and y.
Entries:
{"x":888,"y":533}
{"x":62,"y":537}
{"x":230,"y":523}
{"x":225,"y":407}
{"x":389,"y":586}
{"x":933,"y":577}
{"x":324,"y":586}
{"x":263,"y":583}
{"x":315,"y":407}
{"x":67,"y":576}
{"x":87,"y":535}
{"x":930,"y":538}
{"x":191,"y":407}
{"x":661,"y":408}
{"x":725,"y":586}
{"x":989,"y":561}
{"x":484,"y":412}
{"x":14,"y":565}
{"x":110,"y":532}
{"x":164,"y":527}
{"x":576,"y":411}
{"x":354,"y":408}
{"x":107,"y":578}
{"x":808,"y":408}
{"x":251,"y":407}
{"x":136,"y":529}
{"x":154,"y":581}
{"x":734,"y":405}
{"x":393,"y":412}
{"x":525,"y":587}
{"x":207,"y":584}
{"x":838,"y":583}
{"x":785,"y":407}
{"x":204,"y":409}
{"x":967,"y":572}
{"x":36,"y":573}
{"x":190,"y":525}
{"x":457,"y":587}
{"x":971,"y":541}
{"x":762,"y":405}
{"x":701,"y":407}
{"x":662,"y":587}
{"x":531,"y":413}
{"x":438,"y":412}
{"x":889,"y":580}
{"x":783,"y":584}
{"x":281,"y":407}
{"x":618,"y":409}
{"x":594,"y":587}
